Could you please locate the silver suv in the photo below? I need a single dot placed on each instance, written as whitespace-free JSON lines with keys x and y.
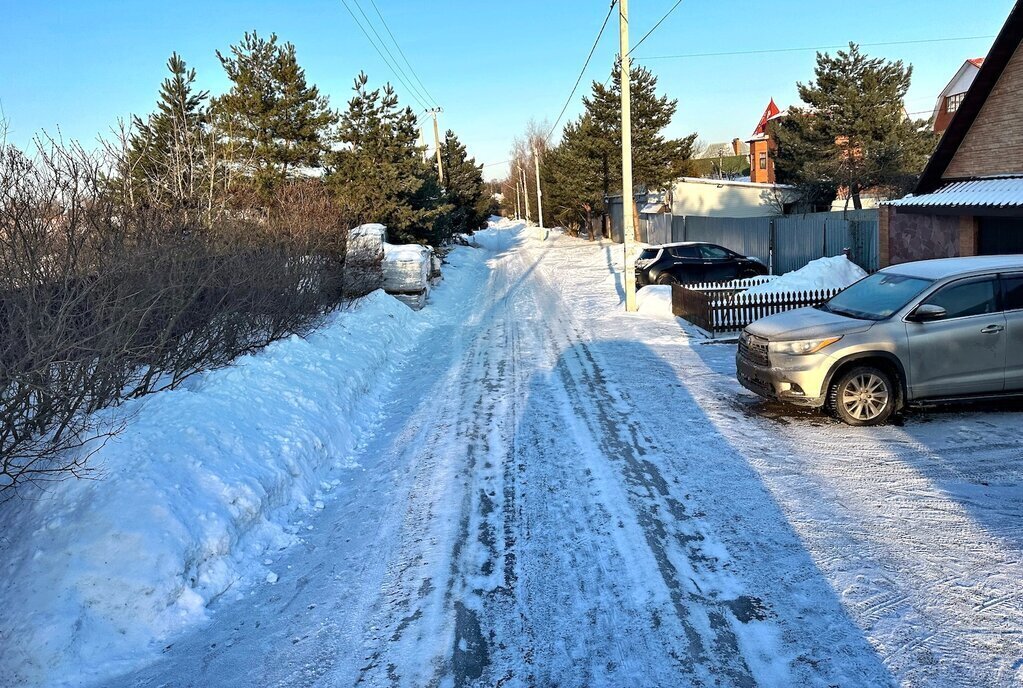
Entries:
{"x":934,"y":330}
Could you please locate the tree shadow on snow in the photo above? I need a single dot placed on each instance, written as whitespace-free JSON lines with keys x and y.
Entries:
{"x":656,"y":555}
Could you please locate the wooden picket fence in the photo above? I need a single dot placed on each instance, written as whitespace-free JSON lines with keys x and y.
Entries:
{"x":726,"y":310}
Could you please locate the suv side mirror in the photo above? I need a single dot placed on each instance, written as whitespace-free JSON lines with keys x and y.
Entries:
{"x":927,"y":312}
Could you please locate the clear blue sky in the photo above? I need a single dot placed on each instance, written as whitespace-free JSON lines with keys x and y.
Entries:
{"x":492,"y":66}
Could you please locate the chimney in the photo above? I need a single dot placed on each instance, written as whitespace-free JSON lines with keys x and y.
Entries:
{"x":737,"y":146}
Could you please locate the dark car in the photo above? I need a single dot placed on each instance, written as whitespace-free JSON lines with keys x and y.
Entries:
{"x":691,"y":262}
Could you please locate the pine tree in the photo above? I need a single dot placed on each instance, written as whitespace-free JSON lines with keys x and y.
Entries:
{"x":463,"y":186}
{"x":273,"y":120}
{"x":656,"y":160}
{"x":573,"y":188}
{"x":163,"y":164}
{"x":853,"y":131}
{"x":586,"y":166}
{"x":380,"y":173}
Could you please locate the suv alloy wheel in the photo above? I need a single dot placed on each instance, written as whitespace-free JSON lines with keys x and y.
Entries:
{"x":863,"y":395}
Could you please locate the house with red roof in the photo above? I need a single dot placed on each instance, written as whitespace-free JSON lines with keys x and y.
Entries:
{"x":951,"y":97}
{"x":969,"y":199}
{"x":762,"y":146}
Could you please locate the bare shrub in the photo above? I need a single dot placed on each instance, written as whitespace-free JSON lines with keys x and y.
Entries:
{"x":103,"y":299}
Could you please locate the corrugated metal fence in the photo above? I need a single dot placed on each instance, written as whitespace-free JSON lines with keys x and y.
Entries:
{"x":786,"y":242}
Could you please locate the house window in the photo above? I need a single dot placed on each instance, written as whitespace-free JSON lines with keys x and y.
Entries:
{"x":952,"y":103}
{"x":763,"y":161}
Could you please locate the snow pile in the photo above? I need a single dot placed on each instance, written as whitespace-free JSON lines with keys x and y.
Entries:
{"x":406,"y":268}
{"x":371,"y":230}
{"x":197,"y":491}
{"x":837,"y":272}
{"x":368,"y":238}
{"x":501,"y":234}
{"x":655,"y":300}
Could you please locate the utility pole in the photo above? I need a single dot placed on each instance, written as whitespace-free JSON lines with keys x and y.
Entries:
{"x":628,"y":202}
{"x":436,"y":142}
{"x":518,"y":204}
{"x":525,"y":191}
{"x":539,"y":193}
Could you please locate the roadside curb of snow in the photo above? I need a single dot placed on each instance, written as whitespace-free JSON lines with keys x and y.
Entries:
{"x":204,"y":483}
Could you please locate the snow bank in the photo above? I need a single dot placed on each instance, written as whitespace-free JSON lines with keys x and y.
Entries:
{"x":199,"y":489}
{"x":655,"y":300}
{"x":837,"y":272}
{"x":500,"y":235}
{"x":406,"y":268}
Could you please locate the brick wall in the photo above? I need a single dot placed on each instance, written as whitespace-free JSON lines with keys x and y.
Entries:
{"x":943,"y":118}
{"x":758,"y":175}
{"x":919,"y":237}
{"x":884,"y":257}
{"x":992,"y":145}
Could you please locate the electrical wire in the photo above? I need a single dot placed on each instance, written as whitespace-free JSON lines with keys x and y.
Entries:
{"x":422,"y":97}
{"x":395,"y":71}
{"x":820,"y":47}
{"x":582,"y":72}
{"x":647,"y":34}
{"x":402,"y":53}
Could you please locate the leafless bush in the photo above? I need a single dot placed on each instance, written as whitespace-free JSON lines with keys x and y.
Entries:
{"x":102,"y":299}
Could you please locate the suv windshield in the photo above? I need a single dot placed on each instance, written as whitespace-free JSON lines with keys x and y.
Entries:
{"x":876,"y":297}
{"x":649,"y":254}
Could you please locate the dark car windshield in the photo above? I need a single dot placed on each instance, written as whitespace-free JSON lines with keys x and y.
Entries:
{"x":876,"y":297}
{"x":649,"y":253}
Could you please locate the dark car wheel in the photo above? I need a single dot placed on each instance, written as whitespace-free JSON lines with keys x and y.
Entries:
{"x":746,"y":273}
{"x":666,"y":278}
{"x":863,"y":395}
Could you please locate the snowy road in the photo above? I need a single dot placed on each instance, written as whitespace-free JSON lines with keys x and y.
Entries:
{"x":562,"y":494}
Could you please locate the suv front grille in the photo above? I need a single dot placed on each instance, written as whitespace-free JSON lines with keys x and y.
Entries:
{"x":753,"y":349}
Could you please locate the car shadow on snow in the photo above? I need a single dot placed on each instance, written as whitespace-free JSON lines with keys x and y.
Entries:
{"x":970,"y":450}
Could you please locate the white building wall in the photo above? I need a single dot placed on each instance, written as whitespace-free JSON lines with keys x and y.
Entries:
{"x":722,"y":198}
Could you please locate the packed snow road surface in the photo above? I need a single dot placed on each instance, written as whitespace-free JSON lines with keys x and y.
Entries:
{"x":557,"y":493}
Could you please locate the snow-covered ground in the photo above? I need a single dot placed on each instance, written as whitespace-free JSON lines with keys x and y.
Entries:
{"x":549,"y":491}
{"x":197,"y":496}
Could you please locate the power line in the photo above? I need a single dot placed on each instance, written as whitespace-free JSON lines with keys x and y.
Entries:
{"x":820,"y":47}
{"x":582,"y":72}
{"x":369,"y":23}
{"x":394,"y":71}
{"x":647,"y":34}
{"x":402,"y":52}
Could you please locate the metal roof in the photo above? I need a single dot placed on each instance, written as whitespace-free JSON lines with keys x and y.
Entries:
{"x":940,"y":268}
{"x":1001,"y":192}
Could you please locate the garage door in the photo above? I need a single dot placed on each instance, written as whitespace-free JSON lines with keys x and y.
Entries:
{"x":999,"y":235}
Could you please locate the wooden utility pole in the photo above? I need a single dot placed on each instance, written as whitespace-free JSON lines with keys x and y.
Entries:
{"x":628,"y":201}
{"x":539,"y":193}
{"x":525,"y":190}
{"x":436,"y":142}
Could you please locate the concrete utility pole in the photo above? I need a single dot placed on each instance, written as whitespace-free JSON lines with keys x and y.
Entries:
{"x":518,"y":205}
{"x":525,"y":191}
{"x":539,"y":193}
{"x":628,"y":202}
{"x":436,"y":141}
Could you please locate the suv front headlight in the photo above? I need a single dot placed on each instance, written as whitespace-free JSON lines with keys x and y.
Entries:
{"x":801,"y":347}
